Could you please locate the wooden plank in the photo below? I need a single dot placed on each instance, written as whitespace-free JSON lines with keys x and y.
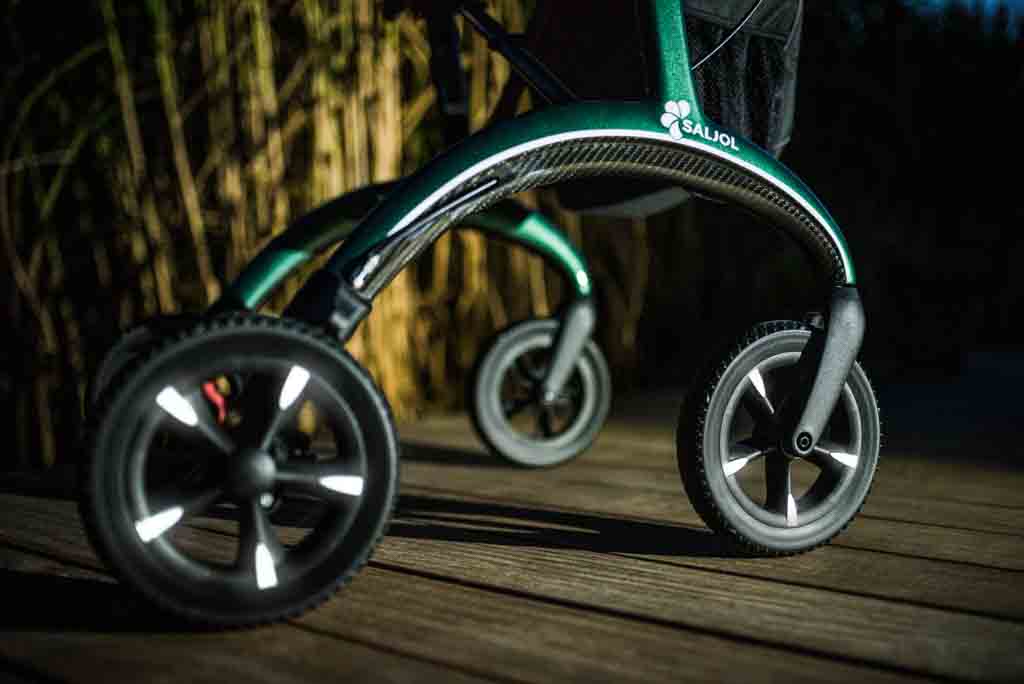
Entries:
{"x":967,"y":588}
{"x":638,"y":447}
{"x":79,"y":626}
{"x":275,"y":655}
{"x":631,"y":461}
{"x":499,"y":551}
{"x":531,"y":639}
{"x":970,"y":517}
{"x":962,"y":587}
{"x":719,"y":597}
{"x":474,"y":630}
{"x":886,"y":633}
{"x":14,"y":560}
{"x":712,"y":588}
{"x":15,"y":673}
{"x":658,"y":495}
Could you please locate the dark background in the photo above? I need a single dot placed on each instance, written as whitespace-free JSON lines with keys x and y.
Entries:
{"x":908,"y":126}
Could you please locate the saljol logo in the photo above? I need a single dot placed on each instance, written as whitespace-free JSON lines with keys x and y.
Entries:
{"x":676,"y":121}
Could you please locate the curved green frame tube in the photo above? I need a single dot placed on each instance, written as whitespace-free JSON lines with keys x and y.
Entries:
{"x":675,"y":103}
{"x":483,"y":155}
{"x":407,"y":201}
{"x":514,"y":223}
{"x":667,"y":137}
{"x":334,"y":221}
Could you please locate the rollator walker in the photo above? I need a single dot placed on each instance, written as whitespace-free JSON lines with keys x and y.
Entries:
{"x":264,"y":427}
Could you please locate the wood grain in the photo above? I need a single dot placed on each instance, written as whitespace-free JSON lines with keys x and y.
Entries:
{"x":922,"y":473}
{"x":656,"y":493}
{"x":596,"y":571}
{"x":970,"y":588}
{"x":892,"y":633}
{"x":536,"y":640}
{"x":78,"y":626}
{"x":434,"y":623}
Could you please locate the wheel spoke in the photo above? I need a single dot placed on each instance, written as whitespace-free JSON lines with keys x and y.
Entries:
{"x":513,"y":407}
{"x":545,"y":421}
{"x":833,"y":459}
{"x":186,"y":413}
{"x":567,"y":398}
{"x":531,"y":372}
{"x":741,"y":455}
{"x":779,"y":491}
{"x":322,"y":481}
{"x":835,"y":453}
{"x":173,"y":509}
{"x":574,"y":387}
{"x":183,"y":465}
{"x":259,"y":551}
{"x":269,"y":403}
{"x":756,"y":401}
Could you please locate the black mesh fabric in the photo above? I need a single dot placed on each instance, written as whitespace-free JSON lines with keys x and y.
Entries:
{"x":748,"y":86}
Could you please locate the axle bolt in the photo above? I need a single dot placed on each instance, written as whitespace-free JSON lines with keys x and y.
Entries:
{"x":803,"y":441}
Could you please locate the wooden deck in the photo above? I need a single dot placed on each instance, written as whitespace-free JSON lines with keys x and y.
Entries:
{"x":596,"y":571}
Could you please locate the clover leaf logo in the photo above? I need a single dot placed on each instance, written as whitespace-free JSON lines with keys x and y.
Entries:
{"x":675,"y":112}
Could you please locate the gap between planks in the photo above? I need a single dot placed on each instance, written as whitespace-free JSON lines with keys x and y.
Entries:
{"x":634,"y":495}
{"x":882,"y":633}
{"x":529,"y":639}
{"x":958,"y":483}
{"x":124,"y":640}
{"x":984,"y":591}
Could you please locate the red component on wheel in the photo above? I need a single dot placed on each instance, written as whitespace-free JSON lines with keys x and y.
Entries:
{"x":217,"y":399}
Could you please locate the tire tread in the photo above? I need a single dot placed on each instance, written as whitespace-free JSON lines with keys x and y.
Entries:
{"x":87,"y":472}
{"x":690,"y":439}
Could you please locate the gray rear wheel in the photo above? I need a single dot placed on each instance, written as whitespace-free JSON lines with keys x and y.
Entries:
{"x":505,"y":399}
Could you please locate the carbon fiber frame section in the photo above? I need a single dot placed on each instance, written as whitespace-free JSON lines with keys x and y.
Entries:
{"x":694,"y":168}
{"x":332,"y":222}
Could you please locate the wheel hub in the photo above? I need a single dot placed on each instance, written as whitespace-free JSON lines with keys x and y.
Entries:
{"x":251,"y":474}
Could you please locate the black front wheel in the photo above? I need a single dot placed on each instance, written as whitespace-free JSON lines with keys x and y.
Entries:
{"x":178,"y":480}
{"x":739,"y":479}
{"x":132,"y":344}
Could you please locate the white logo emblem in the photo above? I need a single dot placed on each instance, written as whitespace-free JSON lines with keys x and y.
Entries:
{"x":676,"y":121}
{"x":675,"y":112}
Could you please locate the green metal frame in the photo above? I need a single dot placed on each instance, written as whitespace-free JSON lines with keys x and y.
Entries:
{"x":667,"y":137}
{"x":334,"y":221}
{"x":363,"y":253}
{"x":585,"y":121}
{"x":385,"y":223}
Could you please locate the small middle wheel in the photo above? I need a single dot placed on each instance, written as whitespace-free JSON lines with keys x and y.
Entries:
{"x":506,"y":404}
{"x":176,"y":485}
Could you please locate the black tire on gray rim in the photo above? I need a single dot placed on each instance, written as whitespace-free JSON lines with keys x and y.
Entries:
{"x":504,"y":397}
{"x":739,"y":480}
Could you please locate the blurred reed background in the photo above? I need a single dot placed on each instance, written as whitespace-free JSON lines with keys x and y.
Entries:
{"x":148,"y":150}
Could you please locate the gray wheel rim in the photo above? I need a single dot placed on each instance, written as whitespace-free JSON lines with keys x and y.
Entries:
{"x":823,"y":495}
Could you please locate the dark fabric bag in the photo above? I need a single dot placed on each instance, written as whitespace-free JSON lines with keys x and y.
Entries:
{"x":748,"y":86}
{"x":601,"y":51}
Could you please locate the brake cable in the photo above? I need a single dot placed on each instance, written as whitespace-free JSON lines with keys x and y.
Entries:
{"x":739,"y":26}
